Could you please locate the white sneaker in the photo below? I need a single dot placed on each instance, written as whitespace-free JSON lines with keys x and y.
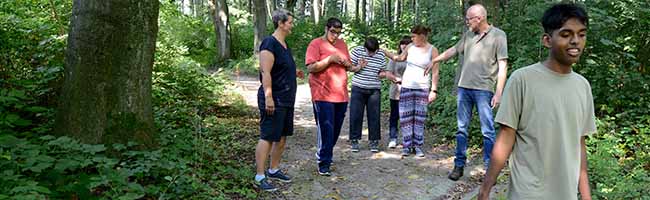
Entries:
{"x":392,"y":144}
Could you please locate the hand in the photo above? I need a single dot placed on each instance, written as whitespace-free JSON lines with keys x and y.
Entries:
{"x":496,"y":100}
{"x":362,"y":63}
{"x":428,"y":69}
{"x":270,"y":106}
{"x":335,"y":58}
{"x":300,"y":74}
{"x":397,"y":80}
{"x":432,"y":96}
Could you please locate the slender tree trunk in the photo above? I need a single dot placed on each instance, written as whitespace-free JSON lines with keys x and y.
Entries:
{"x":416,"y":19}
{"x":260,"y":23}
{"x":363,"y":12}
{"x":219,"y":12}
{"x":356,"y":11}
{"x":316,"y":10}
{"x":389,"y":9}
{"x":323,"y":7}
{"x":291,"y":4}
{"x":301,"y":9}
{"x":398,"y":13}
{"x":108,"y":63}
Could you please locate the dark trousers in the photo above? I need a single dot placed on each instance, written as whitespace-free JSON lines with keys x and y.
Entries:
{"x":360,"y":101}
{"x":329,"y":119}
{"x":394,"y":119}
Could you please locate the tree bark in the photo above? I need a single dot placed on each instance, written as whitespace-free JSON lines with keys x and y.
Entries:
{"x":363,"y":12}
{"x":260,"y":23}
{"x":291,"y":4}
{"x":316,"y":10}
{"x":398,"y":13}
{"x":389,"y":3}
{"x":219,"y":12}
{"x":106,"y":96}
{"x":356,"y":11}
{"x":301,"y":9}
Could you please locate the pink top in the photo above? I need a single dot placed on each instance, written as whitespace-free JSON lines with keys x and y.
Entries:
{"x":331,"y":84}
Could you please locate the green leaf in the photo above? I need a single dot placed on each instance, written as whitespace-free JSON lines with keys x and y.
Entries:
{"x":65,"y":164}
{"x":93,"y":148}
{"x":131,"y":196}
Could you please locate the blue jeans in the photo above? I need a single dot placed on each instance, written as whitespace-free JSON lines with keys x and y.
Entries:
{"x":329,"y":119}
{"x":394,"y":119}
{"x":466,"y":100}
{"x":365,"y":100}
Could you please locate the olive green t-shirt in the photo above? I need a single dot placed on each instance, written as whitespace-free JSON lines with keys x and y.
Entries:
{"x":550,"y":113}
{"x":480,"y":53}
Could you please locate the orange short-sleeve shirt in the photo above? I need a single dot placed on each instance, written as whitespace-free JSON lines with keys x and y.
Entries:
{"x":331,"y":84}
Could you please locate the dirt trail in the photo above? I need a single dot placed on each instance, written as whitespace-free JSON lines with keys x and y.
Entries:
{"x":364,"y":175}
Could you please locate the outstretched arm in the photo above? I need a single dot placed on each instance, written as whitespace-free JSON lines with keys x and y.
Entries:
{"x":397,"y":57}
{"x":500,"y":153}
{"x":445,"y":55}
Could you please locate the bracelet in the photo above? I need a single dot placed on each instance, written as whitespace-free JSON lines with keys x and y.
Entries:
{"x":434,"y":91}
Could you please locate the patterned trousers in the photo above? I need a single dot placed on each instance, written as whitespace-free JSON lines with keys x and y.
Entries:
{"x":412,"y":114}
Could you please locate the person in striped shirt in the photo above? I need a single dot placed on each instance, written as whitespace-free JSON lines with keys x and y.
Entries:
{"x":366,"y":93}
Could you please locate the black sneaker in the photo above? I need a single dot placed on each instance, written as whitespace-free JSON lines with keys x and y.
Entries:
{"x":456,"y":173}
{"x":279,"y":176}
{"x":374,"y":146}
{"x":324,"y":172}
{"x":354,"y":146}
{"x":264,"y":185}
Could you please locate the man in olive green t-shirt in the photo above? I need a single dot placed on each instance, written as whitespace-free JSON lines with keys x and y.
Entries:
{"x":546,"y":113}
{"x":484,"y":63}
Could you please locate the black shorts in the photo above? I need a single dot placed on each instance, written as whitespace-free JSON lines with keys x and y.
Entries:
{"x":273,"y":127}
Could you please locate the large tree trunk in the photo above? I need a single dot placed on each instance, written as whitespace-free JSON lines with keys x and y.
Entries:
{"x":260,"y":23}
{"x":316,"y":10}
{"x":219,"y":12}
{"x":106,"y":96}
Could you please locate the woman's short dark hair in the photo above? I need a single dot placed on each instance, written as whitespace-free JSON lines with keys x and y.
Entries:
{"x":405,"y":40}
{"x":280,"y":16}
{"x":334,"y":22}
{"x":555,"y":17}
{"x":371,"y":44}
{"x":420,"y":30}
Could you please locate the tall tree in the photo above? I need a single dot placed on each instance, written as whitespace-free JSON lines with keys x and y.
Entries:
{"x":363,"y":12}
{"x":301,"y":8}
{"x":219,"y":12}
{"x":316,"y":10}
{"x":260,"y":23}
{"x":398,"y":13}
{"x":109,"y":58}
{"x":356,"y":11}
{"x":388,"y":11}
{"x":291,"y":4}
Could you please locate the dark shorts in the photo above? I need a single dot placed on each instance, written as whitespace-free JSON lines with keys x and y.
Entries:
{"x":273,"y":127}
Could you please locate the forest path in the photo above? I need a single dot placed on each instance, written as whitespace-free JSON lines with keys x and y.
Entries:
{"x":364,"y":175}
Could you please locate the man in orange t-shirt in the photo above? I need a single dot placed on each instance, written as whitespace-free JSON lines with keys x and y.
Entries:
{"x":328,"y":60}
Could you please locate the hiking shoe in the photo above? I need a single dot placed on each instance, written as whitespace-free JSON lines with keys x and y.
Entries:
{"x":456,"y":173}
{"x":419,"y":152}
{"x":406,"y":151}
{"x":279,"y":176}
{"x":374,"y":146}
{"x":392,"y":143}
{"x":264,"y":185}
{"x":354,"y":146}
{"x":324,"y":172}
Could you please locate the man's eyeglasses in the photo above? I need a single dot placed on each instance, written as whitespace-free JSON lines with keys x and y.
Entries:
{"x":471,"y":18}
{"x":335,"y":32}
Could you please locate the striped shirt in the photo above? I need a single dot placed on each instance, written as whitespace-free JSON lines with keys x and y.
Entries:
{"x":368,"y":77}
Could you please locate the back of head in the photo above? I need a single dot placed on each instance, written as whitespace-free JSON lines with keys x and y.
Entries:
{"x":555,"y":17}
{"x":280,"y":16}
{"x":404,"y":41}
{"x":420,"y":30}
{"x":371,"y":44}
{"x":334,"y":23}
